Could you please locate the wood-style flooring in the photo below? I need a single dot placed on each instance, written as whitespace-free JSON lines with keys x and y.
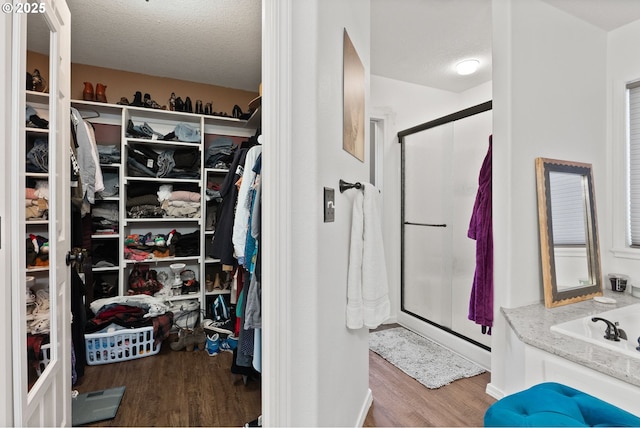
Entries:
{"x":180,"y":388}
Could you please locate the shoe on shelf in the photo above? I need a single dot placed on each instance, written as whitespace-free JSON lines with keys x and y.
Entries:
{"x":179,"y":104}
{"x":229,"y":343}
{"x":213,"y":344}
{"x":137,"y":100}
{"x":223,"y":327}
{"x":208,"y":109}
{"x":87,"y":92}
{"x":188,"y":107}
{"x":123,"y":101}
{"x":101,"y":96}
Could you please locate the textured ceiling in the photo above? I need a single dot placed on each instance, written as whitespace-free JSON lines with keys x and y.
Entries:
{"x":207,"y":41}
{"x":219,"y":41}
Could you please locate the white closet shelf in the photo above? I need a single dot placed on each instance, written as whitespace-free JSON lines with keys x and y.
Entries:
{"x":162,"y":180}
{"x":216,"y":170}
{"x":37,"y":222}
{"x":38,"y":269}
{"x":216,"y":292}
{"x":160,"y":220}
{"x":106,"y":269}
{"x":37,"y":97}
{"x":168,"y":143}
{"x":36,"y":130}
{"x":108,"y":199}
{"x":37,"y":174}
{"x":170,"y":259}
{"x":105,"y":235}
{"x":211,"y":260}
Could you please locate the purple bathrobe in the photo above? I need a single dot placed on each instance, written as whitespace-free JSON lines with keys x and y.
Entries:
{"x":480,"y":229}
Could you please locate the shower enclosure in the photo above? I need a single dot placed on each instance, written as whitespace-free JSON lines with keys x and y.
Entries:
{"x":441,"y":160}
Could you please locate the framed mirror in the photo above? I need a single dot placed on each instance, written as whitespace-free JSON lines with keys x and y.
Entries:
{"x":569,"y":247}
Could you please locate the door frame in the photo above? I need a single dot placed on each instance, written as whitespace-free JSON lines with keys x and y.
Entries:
{"x":48,"y":402}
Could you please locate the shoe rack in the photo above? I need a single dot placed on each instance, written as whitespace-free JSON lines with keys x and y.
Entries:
{"x":111,"y":122}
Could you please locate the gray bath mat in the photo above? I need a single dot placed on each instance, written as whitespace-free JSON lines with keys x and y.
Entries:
{"x":422,"y":359}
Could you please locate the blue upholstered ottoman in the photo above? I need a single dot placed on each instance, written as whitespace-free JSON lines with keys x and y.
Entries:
{"x":552,"y":404}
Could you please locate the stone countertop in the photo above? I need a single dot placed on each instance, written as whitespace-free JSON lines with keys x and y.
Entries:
{"x":532,"y":325}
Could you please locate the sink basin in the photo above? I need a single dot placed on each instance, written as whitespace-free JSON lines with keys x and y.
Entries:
{"x":628,"y":318}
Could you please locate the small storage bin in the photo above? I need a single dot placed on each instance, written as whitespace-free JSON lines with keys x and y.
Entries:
{"x":120,"y":345}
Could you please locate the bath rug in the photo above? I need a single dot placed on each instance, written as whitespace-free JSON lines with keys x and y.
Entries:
{"x":424,"y":360}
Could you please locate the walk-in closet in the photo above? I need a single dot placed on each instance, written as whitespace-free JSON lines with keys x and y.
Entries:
{"x":164,"y":208}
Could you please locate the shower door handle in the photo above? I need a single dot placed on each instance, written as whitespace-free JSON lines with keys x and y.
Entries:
{"x":426,"y":224}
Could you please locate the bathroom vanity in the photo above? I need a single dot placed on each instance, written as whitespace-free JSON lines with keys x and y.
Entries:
{"x":552,"y":356}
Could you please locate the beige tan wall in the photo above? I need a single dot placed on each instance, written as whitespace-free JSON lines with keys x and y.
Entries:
{"x":125,"y":84}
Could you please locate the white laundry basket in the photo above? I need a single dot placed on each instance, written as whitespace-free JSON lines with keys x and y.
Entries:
{"x":120,"y":345}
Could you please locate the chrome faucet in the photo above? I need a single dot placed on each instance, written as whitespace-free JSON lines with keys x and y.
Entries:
{"x":612,"y":332}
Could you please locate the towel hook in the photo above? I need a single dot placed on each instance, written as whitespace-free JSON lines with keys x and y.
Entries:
{"x":345,"y":186}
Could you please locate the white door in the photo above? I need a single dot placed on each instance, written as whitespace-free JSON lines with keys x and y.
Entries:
{"x":45,"y":401}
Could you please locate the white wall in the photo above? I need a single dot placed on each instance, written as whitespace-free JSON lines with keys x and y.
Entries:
{"x":329,"y":374}
{"x":549,"y":92}
{"x":622,"y":68}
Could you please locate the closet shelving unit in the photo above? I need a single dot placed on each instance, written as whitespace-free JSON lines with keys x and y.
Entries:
{"x":163,"y":122}
{"x":40,"y":226}
{"x":37,"y":226}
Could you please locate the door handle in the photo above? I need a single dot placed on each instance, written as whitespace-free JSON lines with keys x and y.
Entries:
{"x":75,"y":255}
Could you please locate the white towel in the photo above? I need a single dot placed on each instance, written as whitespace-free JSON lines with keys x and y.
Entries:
{"x":367,"y":286}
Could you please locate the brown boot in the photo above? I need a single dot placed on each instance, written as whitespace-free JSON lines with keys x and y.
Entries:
{"x":183,"y":341}
{"x":101,"y":96}
{"x":87,"y":93}
{"x":197,"y":340}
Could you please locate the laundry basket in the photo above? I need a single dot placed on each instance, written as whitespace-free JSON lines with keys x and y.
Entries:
{"x":120,"y":345}
{"x":43,"y":358}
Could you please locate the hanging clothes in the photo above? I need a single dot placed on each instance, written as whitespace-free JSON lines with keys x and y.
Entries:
{"x":222,"y":245}
{"x":481,"y":230}
{"x":87,"y":158}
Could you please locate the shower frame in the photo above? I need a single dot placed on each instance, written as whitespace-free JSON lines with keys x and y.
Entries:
{"x":471,"y":111}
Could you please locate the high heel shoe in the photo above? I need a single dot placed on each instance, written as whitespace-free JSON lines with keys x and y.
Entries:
{"x":199,"y":107}
{"x":172,"y":102}
{"x":188,"y":107}
{"x":208,"y":108}
{"x":179,"y":104}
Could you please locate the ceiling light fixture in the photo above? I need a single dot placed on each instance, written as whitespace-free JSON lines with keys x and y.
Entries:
{"x":468,"y":66}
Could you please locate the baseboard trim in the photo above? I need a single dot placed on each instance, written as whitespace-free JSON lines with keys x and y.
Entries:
{"x":368,"y":401}
{"x":494,"y":392}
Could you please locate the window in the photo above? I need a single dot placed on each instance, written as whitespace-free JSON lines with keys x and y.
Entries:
{"x":633,"y":178}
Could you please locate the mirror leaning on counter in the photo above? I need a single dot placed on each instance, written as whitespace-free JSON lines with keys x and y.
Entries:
{"x":569,"y":248}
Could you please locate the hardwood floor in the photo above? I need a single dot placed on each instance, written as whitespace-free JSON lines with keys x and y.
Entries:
{"x":176,"y":388}
{"x":179,"y":388}
{"x":400,"y":400}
